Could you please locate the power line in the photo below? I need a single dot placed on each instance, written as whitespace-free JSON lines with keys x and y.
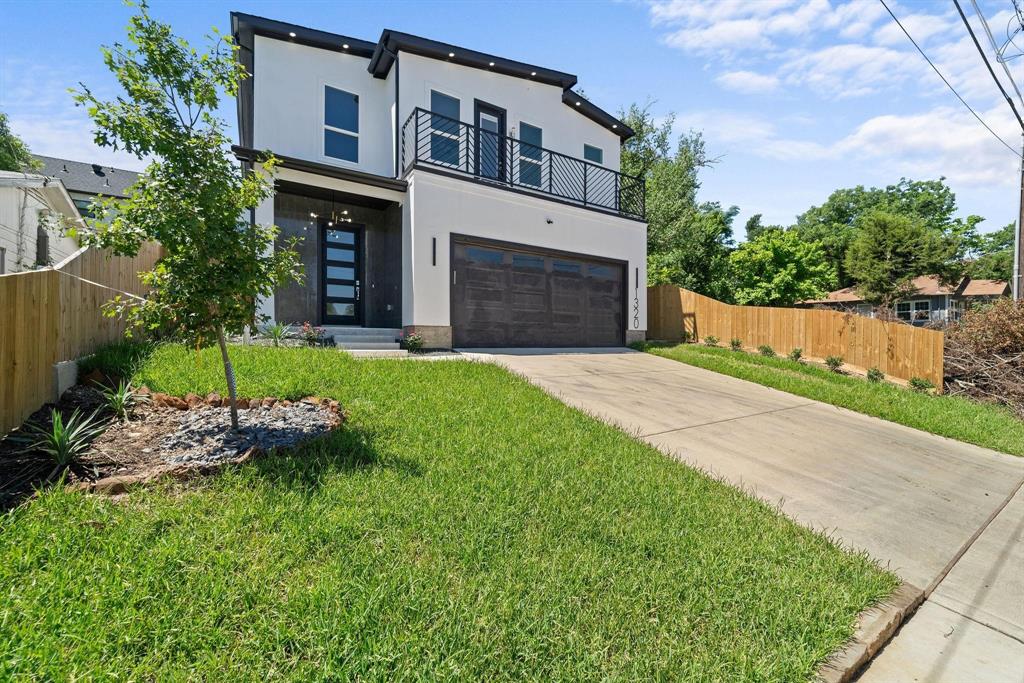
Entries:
{"x":946,"y":81}
{"x":995,"y":48}
{"x":988,"y":65}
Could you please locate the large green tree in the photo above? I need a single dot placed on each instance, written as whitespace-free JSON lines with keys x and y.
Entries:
{"x":836,"y":223}
{"x":779,"y":268}
{"x":14,"y":153}
{"x":993,"y":257}
{"x":688,"y":243}
{"x":890,"y":250}
{"x":193,"y":198}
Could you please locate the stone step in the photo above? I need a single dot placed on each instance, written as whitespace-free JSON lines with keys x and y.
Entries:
{"x":366,"y":346}
{"x":338,"y":331}
{"x":364,"y":339}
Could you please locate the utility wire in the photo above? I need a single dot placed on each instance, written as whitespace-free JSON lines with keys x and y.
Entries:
{"x":988,"y":65}
{"x":995,"y":48}
{"x":948,"y":84}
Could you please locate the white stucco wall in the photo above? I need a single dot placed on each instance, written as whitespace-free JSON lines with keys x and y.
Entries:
{"x":564,"y":130}
{"x":288,"y":92}
{"x":438,"y":206}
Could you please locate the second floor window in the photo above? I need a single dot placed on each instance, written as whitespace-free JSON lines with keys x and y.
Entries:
{"x":341,"y":124}
{"x":593,"y":154}
{"x":444,"y":136}
{"x":530,"y":143}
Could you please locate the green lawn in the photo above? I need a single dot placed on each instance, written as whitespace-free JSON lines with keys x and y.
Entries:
{"x":986,"y":425}
{"x":463,"y":525}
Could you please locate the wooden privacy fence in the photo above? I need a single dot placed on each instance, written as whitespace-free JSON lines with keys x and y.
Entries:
{"x":897,"y":349}
{"x":55,"y":314}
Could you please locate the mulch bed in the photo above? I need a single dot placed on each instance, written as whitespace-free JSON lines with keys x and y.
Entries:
{"x":173,"y":436}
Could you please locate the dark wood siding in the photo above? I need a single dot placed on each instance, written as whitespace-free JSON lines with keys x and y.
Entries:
{"x":522,"y":297}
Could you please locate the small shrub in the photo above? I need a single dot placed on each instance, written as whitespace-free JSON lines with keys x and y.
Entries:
{"x":736,"y":344}
{"x":685,"y":338}
{"x":920,"y":385}
{"x":312,"y":335}
{"x":121,"y":399}
{"x":711,"y":340}
{"x":63,"y":442}
{"x":766,"y":351}
{"x":412,"y":342}
{"x":796,"y":355}
{"x":276,"y":333}
{"x":875,"y":375}
{"x":834,"y":363}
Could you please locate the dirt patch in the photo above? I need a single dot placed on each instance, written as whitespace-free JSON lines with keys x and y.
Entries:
{"x":164,"y":436}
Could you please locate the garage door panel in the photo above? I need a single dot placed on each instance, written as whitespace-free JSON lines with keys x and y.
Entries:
{"x":507,"y":297}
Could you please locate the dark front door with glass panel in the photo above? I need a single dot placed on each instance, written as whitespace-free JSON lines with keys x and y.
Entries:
{"x":490,"y":137}
{"x":342,"y":275}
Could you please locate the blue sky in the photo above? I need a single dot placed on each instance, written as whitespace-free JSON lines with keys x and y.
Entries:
{"x":796,"y":97}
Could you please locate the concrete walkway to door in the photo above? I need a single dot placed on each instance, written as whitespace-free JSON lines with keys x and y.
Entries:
{"x":912,"y":500}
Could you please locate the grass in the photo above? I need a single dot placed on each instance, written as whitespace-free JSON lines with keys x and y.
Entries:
{"x":462,"y":525}
{"x":987,"y":425}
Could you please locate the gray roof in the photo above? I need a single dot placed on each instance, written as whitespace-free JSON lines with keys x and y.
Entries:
{"x":79,"y":176}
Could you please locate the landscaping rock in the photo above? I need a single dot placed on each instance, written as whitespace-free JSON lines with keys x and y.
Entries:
{"x":269,"y":402}
{"x":205,"y":438}
{"x":213,"y":399}
{"x":193,"y":400}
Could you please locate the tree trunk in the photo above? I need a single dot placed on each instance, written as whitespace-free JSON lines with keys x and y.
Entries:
{"x":229,"y":374}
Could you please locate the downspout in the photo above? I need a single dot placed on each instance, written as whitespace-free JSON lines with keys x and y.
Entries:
{"x":398,"y":112}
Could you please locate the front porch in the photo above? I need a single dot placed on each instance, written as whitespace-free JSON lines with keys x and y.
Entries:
{"x":351,"y":248}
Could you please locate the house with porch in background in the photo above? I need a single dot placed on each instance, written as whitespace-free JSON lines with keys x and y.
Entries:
{"x":934,"y":302}
{"x":472,"y":199}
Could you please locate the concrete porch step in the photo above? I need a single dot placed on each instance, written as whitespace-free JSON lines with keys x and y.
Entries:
{"x":340,"y":331}
{"x":365,"y":346}
{"x":365,"y":338}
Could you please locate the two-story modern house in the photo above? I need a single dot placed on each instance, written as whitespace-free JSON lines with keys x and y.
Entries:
{"x":472,"y":199}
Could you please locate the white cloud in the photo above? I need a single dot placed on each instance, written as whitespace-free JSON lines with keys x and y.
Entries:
{"x":748,"y":82}
{"x":850,"y":70}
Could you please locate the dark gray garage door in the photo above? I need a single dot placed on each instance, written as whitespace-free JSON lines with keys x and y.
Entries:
{"x":503,"y":296}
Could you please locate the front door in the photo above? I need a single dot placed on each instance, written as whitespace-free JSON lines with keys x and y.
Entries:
{"x":490,"y":141}
{"x":342,"y":274}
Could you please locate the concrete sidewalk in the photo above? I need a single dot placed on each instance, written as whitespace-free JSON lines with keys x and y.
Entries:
{"x":912,"y":500}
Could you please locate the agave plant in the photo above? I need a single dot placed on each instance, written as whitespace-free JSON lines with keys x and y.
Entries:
{"x":276,"y":332}
{"x":63,"y":442}
{"x":122,"y":398}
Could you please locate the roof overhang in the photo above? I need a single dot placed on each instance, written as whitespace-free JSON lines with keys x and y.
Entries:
{"x":255,"y":156}
{"x":51,"y":190}
{"x":271,"y":28}
{"x":596,"y":114}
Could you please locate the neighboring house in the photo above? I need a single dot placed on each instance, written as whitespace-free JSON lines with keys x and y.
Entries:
{"x":85,"y":181}
{"x":29,"y":203}
{"x":933,"y":302}
{"x":470,"y":198}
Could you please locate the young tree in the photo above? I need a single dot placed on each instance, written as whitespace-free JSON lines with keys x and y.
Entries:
{"x":14,"y":153}
{"x":755,"y":228}
{"x":779,"y":268}
{"x":192,"y":198}
{"x":890,"y":251}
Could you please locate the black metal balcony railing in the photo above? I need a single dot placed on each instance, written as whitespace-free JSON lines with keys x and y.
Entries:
{"x":437,"y":140}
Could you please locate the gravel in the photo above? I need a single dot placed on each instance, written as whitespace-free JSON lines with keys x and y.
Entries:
{"x":204,"y":436}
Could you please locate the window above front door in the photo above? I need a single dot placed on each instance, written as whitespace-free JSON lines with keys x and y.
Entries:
{"x":341,"y":124}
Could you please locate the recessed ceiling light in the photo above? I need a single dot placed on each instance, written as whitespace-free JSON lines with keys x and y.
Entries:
{"x":451,"y":54}
{"x":615,"y":125}
{"x":533,"y":73}
{"x":345,"y":46}
{"x":577,"y":104}
{"x":491,"y":64}
{"x":291,"y":33}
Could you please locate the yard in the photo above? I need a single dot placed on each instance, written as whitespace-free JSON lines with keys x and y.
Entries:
{"x":463,"y":524}
{"x":987,"y":425}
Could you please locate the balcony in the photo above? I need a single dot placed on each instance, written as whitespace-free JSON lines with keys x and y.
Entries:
{"x":465,"y":150}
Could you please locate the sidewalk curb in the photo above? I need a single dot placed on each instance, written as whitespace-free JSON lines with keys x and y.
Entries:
{"x":875,"y":626}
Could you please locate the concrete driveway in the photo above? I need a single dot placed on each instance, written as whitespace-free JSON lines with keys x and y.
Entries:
{"x":946,"y":516}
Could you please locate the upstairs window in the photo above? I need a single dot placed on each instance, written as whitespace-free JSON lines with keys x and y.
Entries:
{"x":341,"y":124}
{"x":530,"y":141}
{"x":593,"y":154}
{"x":445,"y":128}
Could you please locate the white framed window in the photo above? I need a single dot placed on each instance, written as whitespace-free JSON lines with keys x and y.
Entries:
{"x":341,"y":124}
{"x":914,"y":311}
{"x":531,"y":140}
{"x":593,"y":154}
{"x":445,"y":146}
